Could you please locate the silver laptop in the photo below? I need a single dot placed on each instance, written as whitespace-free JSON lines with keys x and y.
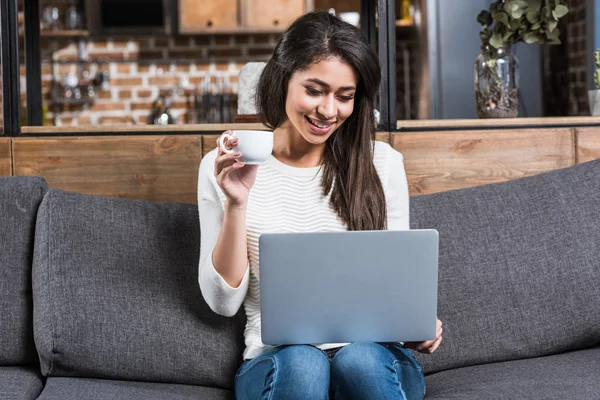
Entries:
{"x":339,"y":287}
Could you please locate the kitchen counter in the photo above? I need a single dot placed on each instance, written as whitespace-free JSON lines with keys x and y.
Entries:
{"x":403,"y":126}
{"x":135,"y":129}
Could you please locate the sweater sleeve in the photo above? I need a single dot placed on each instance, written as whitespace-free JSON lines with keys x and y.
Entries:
{"x":218,"y":294}
{"x":397,"y":196}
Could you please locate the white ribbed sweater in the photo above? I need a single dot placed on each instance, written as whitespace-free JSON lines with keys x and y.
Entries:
{"x":283,"y":199}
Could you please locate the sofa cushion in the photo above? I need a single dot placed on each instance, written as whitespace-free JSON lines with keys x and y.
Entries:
{"x":573,"y":375}
{"x":19,"y":201}
{"x":519,"y":272}
{"x":117,"y":295}
{"x":20,"y":383}
{"x":100,"y":389}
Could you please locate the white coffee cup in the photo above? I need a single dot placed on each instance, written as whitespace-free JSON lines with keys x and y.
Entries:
{"x":255,"y":146}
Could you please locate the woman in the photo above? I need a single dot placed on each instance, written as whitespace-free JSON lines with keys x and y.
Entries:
{"x":326,"y":173}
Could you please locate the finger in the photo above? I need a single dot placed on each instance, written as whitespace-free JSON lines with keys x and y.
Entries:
{"x":218,"y":140}
{"x":435,"y":345}
{"x":424,"y":345}
{"x":227,"y":142}
{"x":225,"y":160}
{"x":229,"y":169}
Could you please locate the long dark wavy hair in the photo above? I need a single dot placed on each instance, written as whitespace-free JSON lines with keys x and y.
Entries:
{"x":348,"y":171}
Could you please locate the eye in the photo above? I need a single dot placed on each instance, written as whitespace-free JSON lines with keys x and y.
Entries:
{"x":312,"y":91}
{"x":346,"y":98}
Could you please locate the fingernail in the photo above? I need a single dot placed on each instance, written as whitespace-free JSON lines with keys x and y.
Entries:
{"x":238,"y":155}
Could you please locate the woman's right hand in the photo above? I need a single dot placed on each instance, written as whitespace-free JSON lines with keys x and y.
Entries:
{"x":235,"y":178}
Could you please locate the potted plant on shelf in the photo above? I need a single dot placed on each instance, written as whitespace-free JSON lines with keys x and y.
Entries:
{"x":496,"y":69}
{"x":594,"y":95}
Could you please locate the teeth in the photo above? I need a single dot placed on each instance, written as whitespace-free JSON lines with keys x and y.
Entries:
{"x":322,"y":126}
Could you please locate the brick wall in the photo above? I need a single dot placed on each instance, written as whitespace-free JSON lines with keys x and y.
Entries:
{"x":142,"y":69}
{"x":565,"y":73}
{"x":577,"y":55}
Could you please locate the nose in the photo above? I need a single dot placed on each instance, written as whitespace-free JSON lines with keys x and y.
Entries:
{"x":327,"y":107}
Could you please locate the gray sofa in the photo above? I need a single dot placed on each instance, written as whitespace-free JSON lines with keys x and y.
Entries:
{"x":99,"y":296}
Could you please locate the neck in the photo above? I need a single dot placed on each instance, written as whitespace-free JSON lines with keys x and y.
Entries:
{"x":291,"y":148}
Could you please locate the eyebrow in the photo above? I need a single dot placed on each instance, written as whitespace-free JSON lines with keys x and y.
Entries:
{"x":320,"y":82}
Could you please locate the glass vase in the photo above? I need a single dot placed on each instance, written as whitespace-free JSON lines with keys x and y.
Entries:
{"x":497,"y":83}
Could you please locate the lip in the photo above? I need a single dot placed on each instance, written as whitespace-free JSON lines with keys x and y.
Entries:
{"x":319,"y":131}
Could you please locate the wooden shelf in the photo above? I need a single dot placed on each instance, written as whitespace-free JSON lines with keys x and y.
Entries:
{"x":404,"y":23}
{"x":233,"y":31}
{"x":63,"y":33}
{"x":400,"y":23}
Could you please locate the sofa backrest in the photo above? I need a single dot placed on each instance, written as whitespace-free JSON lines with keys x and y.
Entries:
{"x":19,"y":201}
{"x":117,"y":296}
{"x":519,"y":266}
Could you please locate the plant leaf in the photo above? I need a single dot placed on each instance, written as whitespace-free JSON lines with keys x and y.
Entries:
{"x":553,"y":35}
{"x":560,"y":11}
{"x":517,"y":14}
{"x":501,"y":17}
{"x":496,"y":40}
{"x":485,"y":18}
{"x":552,"y":25}
{"x":532,"y":16}
{"x":530,"y":37}
{"x":515,"y":25}
{"x":536,"y":26}
{"x":546,"y":13}
{"x":536,"y":5}
{"x":508,"y":6}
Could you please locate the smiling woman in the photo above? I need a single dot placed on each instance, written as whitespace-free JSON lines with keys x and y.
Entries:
{"x":326,"y":174}
{"x":317,"y":92}
{"x":324,"y":103}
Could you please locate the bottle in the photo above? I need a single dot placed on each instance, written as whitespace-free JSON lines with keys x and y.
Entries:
{"x":406,"y":11}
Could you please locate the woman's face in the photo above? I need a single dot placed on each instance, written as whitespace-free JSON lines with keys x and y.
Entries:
{"x":320,"y":99}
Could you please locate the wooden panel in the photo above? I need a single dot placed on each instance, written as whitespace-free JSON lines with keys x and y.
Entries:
{"x":338,"y":5}
{"x":588,"y":144}
{"x":439,"y":161}
{"x":478,"y":123}
{"x":156,"y":168}
{"x":140,"y":129}
{"x":198,"y":16}
{"x":209,"y":142}
{"x":5,"y":158}
{"x":273,"y":14}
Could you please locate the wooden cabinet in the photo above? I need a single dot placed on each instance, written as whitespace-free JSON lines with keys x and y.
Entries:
{"x":231,"y":16}
{"x":204,"y":16}
{"x":338,"y":5}
{"x":274,"y":14}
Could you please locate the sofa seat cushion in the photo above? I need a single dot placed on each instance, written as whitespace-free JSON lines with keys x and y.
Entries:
{"x":100,"y":389}
{"x":572,"y":375}
{"x":117,"y":296}
{"x":20,"y":198}
{"x":519,"y":268}
{"x":20,"y":383}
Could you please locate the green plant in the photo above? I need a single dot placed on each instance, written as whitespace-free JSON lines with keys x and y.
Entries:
{"x":530,"y":21}
{"x":505,"y":23}
{"x":597,"y":75}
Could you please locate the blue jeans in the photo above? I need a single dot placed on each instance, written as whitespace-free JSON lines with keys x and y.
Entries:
{"x":363,"y":370}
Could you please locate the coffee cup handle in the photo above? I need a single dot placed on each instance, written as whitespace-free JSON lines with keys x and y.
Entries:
{"x":222,"y":143}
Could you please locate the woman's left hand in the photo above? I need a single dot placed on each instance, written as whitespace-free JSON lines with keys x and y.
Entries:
{"x":429,"y":346}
